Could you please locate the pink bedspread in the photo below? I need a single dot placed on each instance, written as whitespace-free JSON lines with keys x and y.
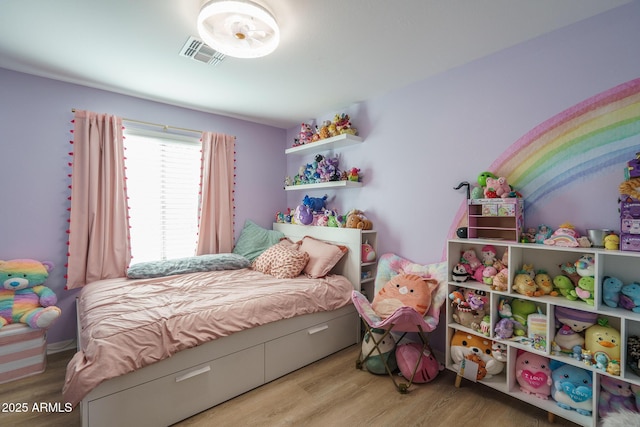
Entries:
{"x":128,"y":324}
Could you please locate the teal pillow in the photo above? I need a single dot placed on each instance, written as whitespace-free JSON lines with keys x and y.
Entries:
{"x":254,"y":240}
{"x":194,"y":264}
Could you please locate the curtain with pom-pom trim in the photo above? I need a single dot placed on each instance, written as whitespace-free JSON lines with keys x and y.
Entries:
{"x":99,"y":246}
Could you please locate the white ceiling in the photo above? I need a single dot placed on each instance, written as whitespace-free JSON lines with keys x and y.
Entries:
{"x":332,"y":54}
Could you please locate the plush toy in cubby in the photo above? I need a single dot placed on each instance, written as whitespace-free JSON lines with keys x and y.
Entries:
{"x":572,"y":387}
{"x":533,"y":374}
{"x":570,"y":326}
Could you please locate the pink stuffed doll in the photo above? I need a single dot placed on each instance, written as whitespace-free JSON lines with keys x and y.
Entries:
{"x":499,"y":186}
{"x":533,"y":374}
{"x":23,"y":298}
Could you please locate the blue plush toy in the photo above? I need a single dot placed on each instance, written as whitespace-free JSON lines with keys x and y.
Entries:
{"x":316,"y":204}
{"x":572,"y":388}
{"x":630,"y":297}
{"x":611,"y":287}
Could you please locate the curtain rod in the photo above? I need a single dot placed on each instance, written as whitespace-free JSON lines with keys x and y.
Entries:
{"x":165,"y":127}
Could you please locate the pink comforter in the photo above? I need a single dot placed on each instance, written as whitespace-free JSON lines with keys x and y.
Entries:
{"x":128,"y":324}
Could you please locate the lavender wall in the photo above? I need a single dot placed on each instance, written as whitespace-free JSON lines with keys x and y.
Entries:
{"x":34,"y":135}
{"x":424,"y":139}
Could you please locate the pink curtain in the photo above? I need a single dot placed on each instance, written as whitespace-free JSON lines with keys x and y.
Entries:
{"x":99,"y":226}
{"x":215,"y":234}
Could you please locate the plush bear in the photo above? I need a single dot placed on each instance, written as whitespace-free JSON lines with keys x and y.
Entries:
{"x":404,"y":290}
{"x":357,"y":219}
{"x":23,"y":297}
{"x":499,"y":186}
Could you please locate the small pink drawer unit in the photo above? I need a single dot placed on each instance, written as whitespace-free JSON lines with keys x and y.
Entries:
{"x":22,"y":352}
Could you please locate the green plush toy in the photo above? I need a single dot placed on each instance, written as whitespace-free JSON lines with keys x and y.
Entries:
{"x":521,"y":309}
{"x":564,"y":285}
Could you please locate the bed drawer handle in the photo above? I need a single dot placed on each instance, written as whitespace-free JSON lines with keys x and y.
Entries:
{"x":193,"y":373}
{"x":318,"y":329}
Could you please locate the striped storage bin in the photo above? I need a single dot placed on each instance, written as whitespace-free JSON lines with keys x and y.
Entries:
{"x":22,"y":352}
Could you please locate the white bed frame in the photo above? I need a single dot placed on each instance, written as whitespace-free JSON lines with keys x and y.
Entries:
{"x":198,"y":378}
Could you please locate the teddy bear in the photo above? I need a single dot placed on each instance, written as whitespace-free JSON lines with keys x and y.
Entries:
{"x":499,"y":186}
{"x":357,"y":219}
{"x":23,"y":297}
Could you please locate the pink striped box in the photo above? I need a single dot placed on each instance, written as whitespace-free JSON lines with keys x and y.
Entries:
{"x":22,"y":352}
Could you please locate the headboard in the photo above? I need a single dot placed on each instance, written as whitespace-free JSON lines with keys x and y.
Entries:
{"x":349,"y":265}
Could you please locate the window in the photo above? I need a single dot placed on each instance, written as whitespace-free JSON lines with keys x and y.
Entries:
{"x":163,"y":183}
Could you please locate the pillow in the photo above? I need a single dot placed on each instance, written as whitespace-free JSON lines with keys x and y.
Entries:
{"x":390,"y":265}
{"x":404,"y":289}
{"x":254,"y":240}
{"x":282,"y":261}
{"x":323,"y":256}
{"x":212,"y":262}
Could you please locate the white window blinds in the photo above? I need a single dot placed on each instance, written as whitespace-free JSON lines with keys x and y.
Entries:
{"x":163,"y":183}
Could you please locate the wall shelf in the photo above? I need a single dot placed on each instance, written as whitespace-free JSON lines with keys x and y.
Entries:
{"x":320,"y":185}
{"x":338,"y":141}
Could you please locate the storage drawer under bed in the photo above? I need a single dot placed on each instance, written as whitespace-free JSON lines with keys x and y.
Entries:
{"x":298,"y":349}
{"x":180,"y":395}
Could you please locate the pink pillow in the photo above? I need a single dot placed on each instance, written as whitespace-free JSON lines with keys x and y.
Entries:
{"x":323,"y":256}
{"x":281,"y":261}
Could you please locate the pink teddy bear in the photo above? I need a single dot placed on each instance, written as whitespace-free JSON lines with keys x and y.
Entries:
{"x":499,"y":185}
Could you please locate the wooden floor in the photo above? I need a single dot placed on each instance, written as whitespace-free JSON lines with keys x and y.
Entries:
{"x":330,"y":392}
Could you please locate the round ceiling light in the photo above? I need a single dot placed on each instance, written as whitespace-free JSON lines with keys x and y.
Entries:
{"x":238,"y":28}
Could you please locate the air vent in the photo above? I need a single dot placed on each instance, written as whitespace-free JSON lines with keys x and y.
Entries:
{"x":199,"y":51}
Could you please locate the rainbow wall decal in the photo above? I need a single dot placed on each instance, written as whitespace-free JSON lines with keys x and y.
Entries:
{"x":578,"y":142}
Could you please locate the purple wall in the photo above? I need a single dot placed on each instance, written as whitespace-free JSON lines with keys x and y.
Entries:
{"x":424,"y":139}
{"x":34,"y":135}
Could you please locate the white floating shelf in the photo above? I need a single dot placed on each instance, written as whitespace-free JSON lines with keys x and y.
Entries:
{"x":339,"y":141}
{"x":320,"y":185}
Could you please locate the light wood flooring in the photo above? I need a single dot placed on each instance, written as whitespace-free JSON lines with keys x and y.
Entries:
{"x":330,"y":392}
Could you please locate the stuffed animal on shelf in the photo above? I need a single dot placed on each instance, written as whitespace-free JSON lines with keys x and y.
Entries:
{"x":569,"y":269}
{"x":586,"y":265}
{"x":615,"y":395}
{"x":357,"y":219}
{"x":501,"y":280}
{"x":375,"y":358}
{"x":469,"y":257}
{"x":630,"y":297}
{"x":565,"y":286}
{"x":368,"y":253}
{"x":488,"y":254}
{"x":544,"y":283}
{"x":611,"y":242}
{"x":499,"y":186}
{"x":611,"y":287}
{"x":23,"y":297}
{"x":521,"y":309}
{"x":572,"y":388}
{"x":315,"y":204}
{"x":460,"y":272}
{"x":404,"y":290}
{"x":602,"y":338}
{"x":303,"y":215}
{"x":533,"y":374}
{"x":571,"y":323}
{"x":464,"y":345}
{"x":523,"y":284}
{"x":585,"y":289}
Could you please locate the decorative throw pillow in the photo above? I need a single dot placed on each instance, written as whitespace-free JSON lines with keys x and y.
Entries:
{"x":254,"y":240}
{"x":281,"y":261}
{"x":210,"y":262}
{"x":323,"y":256}
{"x":404,"y":290}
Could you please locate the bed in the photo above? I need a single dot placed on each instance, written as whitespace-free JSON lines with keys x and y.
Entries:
{"x":202,"y":365}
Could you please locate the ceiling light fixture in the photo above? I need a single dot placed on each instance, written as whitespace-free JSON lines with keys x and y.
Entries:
{"x":238,"y":28}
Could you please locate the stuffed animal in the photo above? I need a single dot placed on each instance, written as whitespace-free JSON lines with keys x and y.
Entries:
{"x":404,"y":290}
{"x":469,"y":257}
{"x":615,"y":395}
{"x":315,"y":204}
{"x":565,"y":286}
{"x":586,"y":265}
{"x":569,"y":269}
{"x":630,"y":297}
{"x":303,"y":215}
{"x":611,"y":287}
{"x":488,"y":255}
{"x":377,"y":355}
{"x":524,"y":284}
{"x":499,"y":186}
{"x":572,"y":388}
{"x":544,"y":283}
{"x":23,"y":297}
{"x":585,"y":289}
{"x":460,"y":272}
{"x":368,"y":253}
{"x":501,"y":280}
{"x":571,"y":324}
{"x":602,"y":338}
{"x":357,"y":219}
{"x":412,"y":355}
{"x":464,"y":344}
{"x":533,"y":374}
{"x":611,"y":242}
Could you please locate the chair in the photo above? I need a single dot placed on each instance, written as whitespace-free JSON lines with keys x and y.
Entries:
{"x":403,"y":320}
